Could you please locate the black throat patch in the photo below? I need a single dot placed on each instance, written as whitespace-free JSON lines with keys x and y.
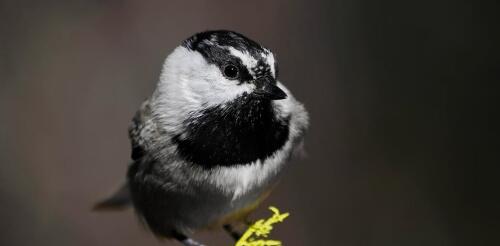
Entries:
{"x":241,"y":132}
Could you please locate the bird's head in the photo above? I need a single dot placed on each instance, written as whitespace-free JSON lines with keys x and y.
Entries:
{"x":215,"y":67}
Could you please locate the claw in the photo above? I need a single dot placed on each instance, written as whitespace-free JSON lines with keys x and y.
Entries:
{"x":191,"y":242}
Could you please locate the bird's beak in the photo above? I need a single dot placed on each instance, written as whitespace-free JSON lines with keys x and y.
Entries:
{"x":267,"y":88}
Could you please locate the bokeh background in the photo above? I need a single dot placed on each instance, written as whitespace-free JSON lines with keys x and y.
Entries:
{"x":403,"y":145}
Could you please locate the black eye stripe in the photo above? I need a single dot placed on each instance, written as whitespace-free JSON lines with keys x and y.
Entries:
{"x":212,"y":48}
{"x":231,"y":71}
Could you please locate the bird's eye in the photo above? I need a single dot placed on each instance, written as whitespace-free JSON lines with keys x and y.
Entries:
{"x":231,"y":71}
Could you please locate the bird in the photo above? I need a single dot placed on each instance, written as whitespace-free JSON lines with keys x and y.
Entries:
{"x":212,"y":140}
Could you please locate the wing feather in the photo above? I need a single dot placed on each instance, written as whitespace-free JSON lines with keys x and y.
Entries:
{"x":140,"y":131}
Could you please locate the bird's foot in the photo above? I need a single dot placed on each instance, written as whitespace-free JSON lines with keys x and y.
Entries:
{"x":191,"y":242}
{"x":232,"y":232}
{"x":186,"y":241}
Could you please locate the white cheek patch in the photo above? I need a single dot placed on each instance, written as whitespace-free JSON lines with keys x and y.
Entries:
{"x":189,"y":83}
{"x":221,"y":90}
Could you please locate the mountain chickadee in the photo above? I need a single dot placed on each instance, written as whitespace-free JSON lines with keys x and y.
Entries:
{"x":209,"y":144}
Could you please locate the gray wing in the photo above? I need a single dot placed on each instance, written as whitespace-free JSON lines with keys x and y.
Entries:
{"x":140,"y":136}
{"x":140,"y":131}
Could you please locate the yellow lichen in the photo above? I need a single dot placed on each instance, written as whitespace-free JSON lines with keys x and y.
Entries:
{"x":257,"y":233}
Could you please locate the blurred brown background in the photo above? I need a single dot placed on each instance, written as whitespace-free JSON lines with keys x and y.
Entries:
{"x":403,"y":144}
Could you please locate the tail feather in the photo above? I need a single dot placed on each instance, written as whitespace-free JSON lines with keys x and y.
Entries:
{"x":119,"y":200}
